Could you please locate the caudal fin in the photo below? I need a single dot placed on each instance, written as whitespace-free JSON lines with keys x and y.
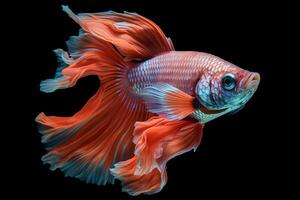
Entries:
{"x":87,"y":144}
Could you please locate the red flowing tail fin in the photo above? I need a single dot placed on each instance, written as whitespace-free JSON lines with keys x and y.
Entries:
{"x":87,"y":144}
{"x":157,"y":141}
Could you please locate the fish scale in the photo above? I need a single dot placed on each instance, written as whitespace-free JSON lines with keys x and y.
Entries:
{"x":180,"y":69}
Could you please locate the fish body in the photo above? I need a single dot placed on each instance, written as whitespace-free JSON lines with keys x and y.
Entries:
{"x":183,"y":70}
{"x":151,"y":106}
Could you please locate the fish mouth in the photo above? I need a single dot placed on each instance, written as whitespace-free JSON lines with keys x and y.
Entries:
{"x":252,"y":81}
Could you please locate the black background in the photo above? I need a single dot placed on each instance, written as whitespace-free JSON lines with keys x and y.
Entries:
{"x":240,"y":156}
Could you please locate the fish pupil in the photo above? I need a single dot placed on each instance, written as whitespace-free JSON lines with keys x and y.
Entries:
{"x":228,"y":82}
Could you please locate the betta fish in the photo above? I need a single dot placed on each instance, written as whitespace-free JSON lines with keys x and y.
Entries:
{"x":151,"y":105}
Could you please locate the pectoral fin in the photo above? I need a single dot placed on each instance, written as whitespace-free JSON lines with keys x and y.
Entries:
{"x":168,"y":101}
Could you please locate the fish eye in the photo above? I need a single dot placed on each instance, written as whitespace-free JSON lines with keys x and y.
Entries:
{"x":228,"y":82}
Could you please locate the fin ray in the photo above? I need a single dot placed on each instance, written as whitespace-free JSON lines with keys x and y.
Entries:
{"x":87,"y":144}
{"x":157,"y":141}
{"x":168,"y":101}
{"x":136,"y":37}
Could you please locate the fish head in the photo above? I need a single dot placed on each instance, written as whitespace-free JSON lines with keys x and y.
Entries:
{"x":226,"y":88}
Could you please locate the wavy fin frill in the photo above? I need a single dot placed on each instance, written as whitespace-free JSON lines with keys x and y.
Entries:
{"x":136,"y":37}
{"x":157,"y":141}
{"x":87,"y":144}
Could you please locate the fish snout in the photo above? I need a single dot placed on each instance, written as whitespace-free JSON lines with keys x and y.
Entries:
{"x":252,"y":81}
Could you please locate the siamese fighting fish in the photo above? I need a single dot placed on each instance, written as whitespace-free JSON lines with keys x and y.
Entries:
{"x":151,"y":105}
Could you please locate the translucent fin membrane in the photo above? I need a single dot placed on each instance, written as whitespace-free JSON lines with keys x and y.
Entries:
{"x":87,"y":144}
{"x":59,"y":81}
{"x":157,"y":141}
{"x":136,"y":37}
{"x":168,"y":101}
{"x":149,"y":183}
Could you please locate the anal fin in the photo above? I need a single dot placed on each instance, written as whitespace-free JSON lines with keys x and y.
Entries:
{"x":157,"y":141}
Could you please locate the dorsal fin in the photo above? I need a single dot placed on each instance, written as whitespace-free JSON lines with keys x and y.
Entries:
{"x":136,"y":37}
